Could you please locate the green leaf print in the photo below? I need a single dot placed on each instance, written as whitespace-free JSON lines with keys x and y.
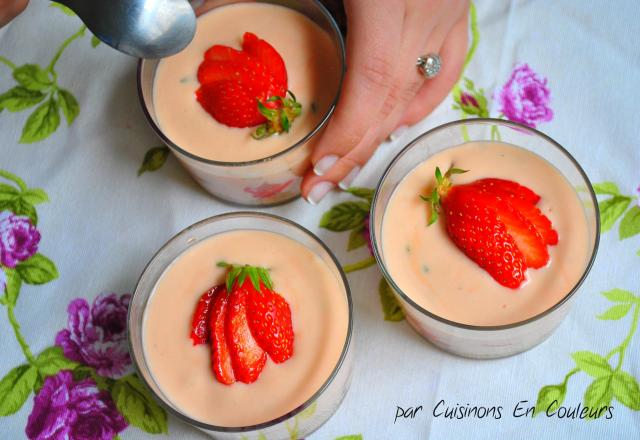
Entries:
{"x":606,"y":188}
{"x":630,"y":224}
{"x":12,"y":288}
{"x":37,"y":270}
{"x":134,"y":401}
{"x":615,"y":312}
{"x":550,"y":398}
{"x":69,"y":105}
{"x":63,"y":8}
{"x":95,"y":41}
{"x":611,"y":210}
{"x":15,"y":388}
{"x":390,"y":306}
{"x":350,"y":437}
{"x":356,"y":239}
{"x":626,"y":390}
{"x":345,"y":216}
{"x":599,"y":393}
{"x":619,"y":295}
{"x":154,"y":159}
{"x":20,"y":98}
{"x":41,"y":123}
{"x":363,"y":193}
{"x":51,"y":360}
{"x":592,"y":363}
{"x":32,"y":77}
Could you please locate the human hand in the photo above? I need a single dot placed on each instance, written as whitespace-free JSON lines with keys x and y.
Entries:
{"x":9,"y":9}
{"x":383,"y":88}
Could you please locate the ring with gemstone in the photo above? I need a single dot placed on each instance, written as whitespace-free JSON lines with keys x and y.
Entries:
{"x":429,"y":65}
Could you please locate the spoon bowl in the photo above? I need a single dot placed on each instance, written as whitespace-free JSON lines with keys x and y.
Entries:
{"x":141,"y":28}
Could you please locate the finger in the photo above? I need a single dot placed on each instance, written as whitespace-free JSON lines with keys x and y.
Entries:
{"x":435,"y":90}
{"x":370,"y":55}
{"x":9,"y":9}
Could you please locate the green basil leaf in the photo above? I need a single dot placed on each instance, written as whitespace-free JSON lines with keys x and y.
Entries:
{"x":390,"y":305}
{"x":345,"y":216}
{"x":69,"y":105}
{"x":550,"y":398}
{"x":592,"y":363}
{"x":154,"y":159}
{"x":611,"y":210}
{"x":41,"y":123}
{"x":15,"y":388}
{"x":626,"y":390}
{"x":20,"y":98}
{"x":135,"y":403}
{"x":615,"y":312}
{"x":32,"y":77}
{"x":630,"y":224}
{"x":37,"y":270}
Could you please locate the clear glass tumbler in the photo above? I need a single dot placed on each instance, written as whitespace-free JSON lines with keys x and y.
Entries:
{"x":269,"y":181}
{"x":470,"y":340}
{"x":326,"y":400}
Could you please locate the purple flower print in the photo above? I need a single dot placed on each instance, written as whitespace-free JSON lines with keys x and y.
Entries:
{"x":18,"y":239}
{"x":64,"y":409}
{"x":525,"y":97}
{"x":367,"y":235}
{"x":96,"y":336}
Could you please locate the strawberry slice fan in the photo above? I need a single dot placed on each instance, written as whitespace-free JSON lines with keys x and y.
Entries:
{"x":245,"y":321}
{"x":247,"y":88}
{"x":496,"y":223}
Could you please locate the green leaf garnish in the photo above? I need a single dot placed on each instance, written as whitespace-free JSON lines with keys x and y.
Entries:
{"x":279,"y":119}
{"x":239,"y":273}
{"x":443,"y":184}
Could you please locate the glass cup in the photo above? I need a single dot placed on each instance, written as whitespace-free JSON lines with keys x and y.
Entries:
{"x":268,"y":181}
{"x":327,"y":399}
{"x":471,"y":340}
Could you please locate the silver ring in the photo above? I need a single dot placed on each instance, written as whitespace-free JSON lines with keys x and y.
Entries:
{"x":429,"y":65}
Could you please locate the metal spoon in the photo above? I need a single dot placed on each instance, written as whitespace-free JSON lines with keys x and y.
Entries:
{"x":142,"y":28}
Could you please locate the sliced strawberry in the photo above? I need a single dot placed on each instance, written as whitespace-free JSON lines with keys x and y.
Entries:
{"x":220,"y":356}
{"x":270,"y":57}
{"x":200,"y":323}
{"x":476,"y":230}
{"x":231,"y":103}
{"x":539,"y":220}
{"x":270,"y":322}
{"x":509,"y":187}
{"x":222,"y":53}
{"x":247,"y":357}
{"x":521,"y":199}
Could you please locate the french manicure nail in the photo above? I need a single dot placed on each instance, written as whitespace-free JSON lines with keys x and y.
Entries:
{"x":325,"y":164}
{"x":395,"y":134}
{"x":349,"y":178}
{"x":318,"y":192}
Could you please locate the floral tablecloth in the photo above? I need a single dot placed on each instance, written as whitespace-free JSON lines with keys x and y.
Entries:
{"x":87,"y":195}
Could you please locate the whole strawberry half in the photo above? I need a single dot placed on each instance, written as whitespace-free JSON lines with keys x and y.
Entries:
{"x":495,"y":223}
{"x":248,"y":87}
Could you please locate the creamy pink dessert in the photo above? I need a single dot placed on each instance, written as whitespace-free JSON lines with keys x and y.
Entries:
{"x":427,"y":266}
{"x":311,"y":61}
{"x":183,"y":372}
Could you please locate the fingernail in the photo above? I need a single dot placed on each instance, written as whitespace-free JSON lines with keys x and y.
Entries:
{"x":318,"y":192}
{"x":348,"y":180}
{"x":325,"y":164}
{"x":395,"y":134}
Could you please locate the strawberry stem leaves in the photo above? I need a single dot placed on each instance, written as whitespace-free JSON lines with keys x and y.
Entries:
{"x":280,"y":117}
{"x":443,"y":183}
{"x":240,"y":272}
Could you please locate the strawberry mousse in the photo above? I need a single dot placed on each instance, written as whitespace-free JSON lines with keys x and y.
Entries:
{"x":256,"y":79}
{"x":244,"y":327}
{"x":486,"y":234}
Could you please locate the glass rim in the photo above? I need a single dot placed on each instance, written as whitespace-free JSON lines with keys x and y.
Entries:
{"x":307,"y":403}
{"x":341,"y":55}
{"x":516,"y":126}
